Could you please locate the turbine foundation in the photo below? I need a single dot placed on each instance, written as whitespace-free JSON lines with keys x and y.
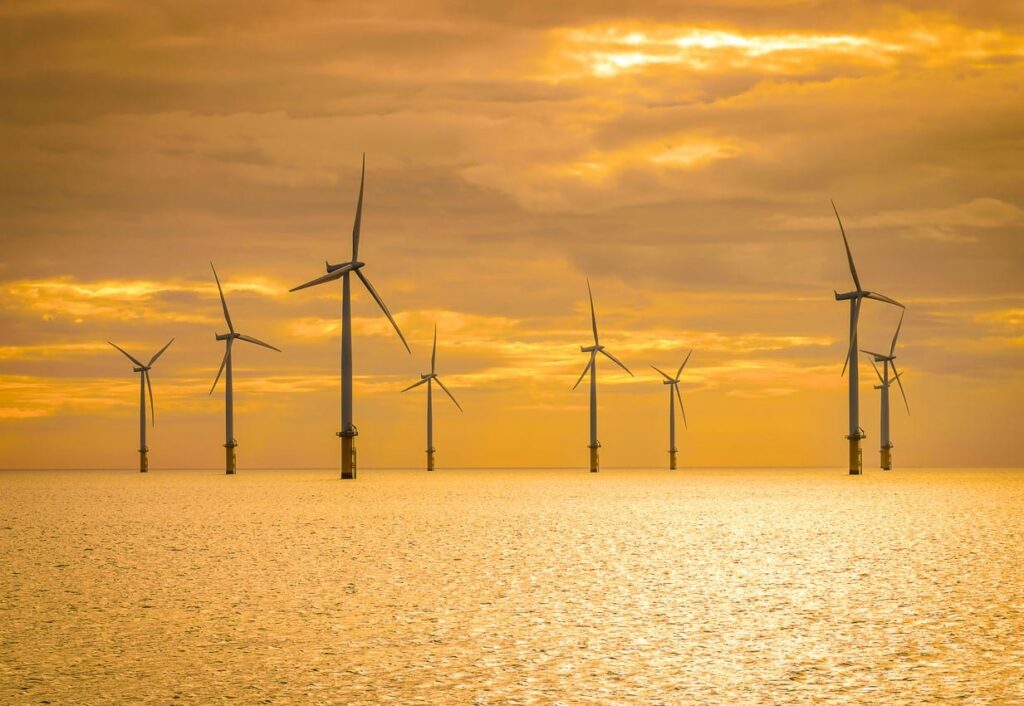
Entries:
{"x":348,"y":456}
{"x":856,"y":467}
{"x":229,"y":459}
{"x":887,"y":458}
{"x":672,"y":460}
{"x":430,"y":459}
{"x":595,"y":461}
{"x":143,"y":460}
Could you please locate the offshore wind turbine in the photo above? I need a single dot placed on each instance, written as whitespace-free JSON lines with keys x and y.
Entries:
{"x":343,"y":271}
{"x":225,"y":367}
{"x":592,"y":367}
{"x":855,"y":297}
{"x":429,"y":379}
{"x":673,"y":395}
{"x":886,"y":381}
{"x":144,"y":383}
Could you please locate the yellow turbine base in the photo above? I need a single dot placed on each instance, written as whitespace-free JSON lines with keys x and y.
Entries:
{"x":672,"y":460}
{"x":348,"y":458}
{"x":430,"y":460}
{"x":886,"y":458}
{"x":855,"y":460}
{"x":229,"y":460}
{"x":595,"y":461}
{"x":144,"y":461}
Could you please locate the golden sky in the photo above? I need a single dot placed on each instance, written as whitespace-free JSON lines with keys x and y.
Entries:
{"x":682,"y":158}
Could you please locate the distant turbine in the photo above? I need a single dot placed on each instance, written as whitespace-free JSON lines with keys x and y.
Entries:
{"x":225,"y":367}
{"x":592,"y":367}
{"x":342,"y":271}
{"x":673,"y":395}
{"x":883,"y":377}
{"x":143,"y":384}
{"x":855,"y":432}
{"x":430,"y":378}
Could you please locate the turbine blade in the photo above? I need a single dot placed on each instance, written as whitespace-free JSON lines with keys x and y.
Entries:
{"x":882,"y":298}
{"x":846,"y":243}
{"x":679,"y":396}
{"x":593,"y":315}
{"x":853,"y":332}
{"x":892,"y":348}
{"x":380,"y":303}
{"x":680,"y":371}
{"x":438,"y":381}
{"x":160,"y":353}
{"x":359,"y":213}
{"x":258,"y":342}
{"x":617,"y":362}
{"x":877,"y":355}
{"x":330,"y":276}
{"x":127,"y":354}
{"x":584,"y":373}
{"x":880,"y":378}
{"x":902,"y":391}
{"x":433,"y":354}
{"x":663,"y":373}
{"x":223,"y":303}
{"x":223,"y":362}
{"x":415,"y":384}
{"x":152,"y":410}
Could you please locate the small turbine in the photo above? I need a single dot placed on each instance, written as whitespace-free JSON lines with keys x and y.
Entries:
{"x":673,"y":392}
{"x":143,"y":384}
{"x":855,"y":297}
{"x":343,"y":271}
{"x":225,"y":367}
{"x":429,"y":379}
{"x":886,"y":381}
{"x":592,"y":368}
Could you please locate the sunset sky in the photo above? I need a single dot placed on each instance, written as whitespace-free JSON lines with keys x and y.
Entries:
{"x":682,"y":158}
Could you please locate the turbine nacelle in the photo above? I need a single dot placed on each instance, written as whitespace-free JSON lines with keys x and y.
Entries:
{"x":226,"y":336}
{"x":350,"y":266}
{"x":596,"y":348}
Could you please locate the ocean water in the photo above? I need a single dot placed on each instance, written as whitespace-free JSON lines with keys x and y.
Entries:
{"x":512,"y":587}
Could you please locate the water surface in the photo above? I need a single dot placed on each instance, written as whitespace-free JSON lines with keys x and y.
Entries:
{"x":506,"y":587}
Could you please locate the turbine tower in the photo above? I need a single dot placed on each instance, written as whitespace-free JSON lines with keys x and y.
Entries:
{"x":855,"y":297}
{"x":143,"y":384}
{"x":430,"y":378}
{"x":886,"y":381}
{"x":592,"y":367}
{"x":343,"y":271}
{"x":673,"y":395}
{"x":225,"y":367}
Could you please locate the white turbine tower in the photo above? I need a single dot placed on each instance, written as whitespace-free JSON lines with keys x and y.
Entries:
{"x":673,"y":395}
{"x":144,"y":383}
{"x":855,"y":297}
{"x":429,"y":379}
{"x":343,"y":271}
{"x":225,"y":367}
{"x":592,"y":368}
{"x":886,"y":381}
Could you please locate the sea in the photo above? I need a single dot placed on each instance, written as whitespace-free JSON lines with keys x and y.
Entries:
{"x":532,"y":586}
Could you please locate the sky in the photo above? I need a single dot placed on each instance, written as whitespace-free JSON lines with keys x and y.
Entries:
{"x":682,"y":158}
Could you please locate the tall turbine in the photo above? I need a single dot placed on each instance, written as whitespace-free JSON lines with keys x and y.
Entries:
{"x":855,"y":297}
{"x":886,"y":381}
{"x":343,"y":271}
{"x":225,"y":367}
{"x":673,"y":395}
{"x":430,"y":378}
{"x":143,"y":384}
{"x":592,"y":367}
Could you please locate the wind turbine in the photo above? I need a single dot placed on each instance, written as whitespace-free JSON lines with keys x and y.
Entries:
{"x":343,"y":271}
{"x":143,"y":384}
{"x":855,"y":297}
{"x":430,"y":378}
{"x":592,"y":367}
{"x":225,"y":367}
{"x":886,"y":381}
{"x":673,"y":395}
